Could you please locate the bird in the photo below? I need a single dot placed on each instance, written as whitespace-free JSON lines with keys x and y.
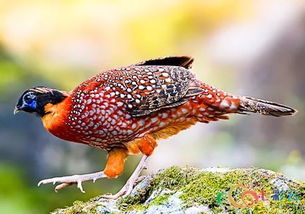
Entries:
{"x":126,"y":110}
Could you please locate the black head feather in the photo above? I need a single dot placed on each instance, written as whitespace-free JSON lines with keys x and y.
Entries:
{"x":33,"y":100}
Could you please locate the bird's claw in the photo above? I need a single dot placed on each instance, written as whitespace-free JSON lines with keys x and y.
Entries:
{"x":80,"y":187}
{"x":125,"y":191}
{"x":61,"y":186}
{"x":70,"y":180}
{"x":63,"y":183}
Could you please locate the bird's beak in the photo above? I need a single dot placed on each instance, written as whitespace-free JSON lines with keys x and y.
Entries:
{"x":16,"y":110}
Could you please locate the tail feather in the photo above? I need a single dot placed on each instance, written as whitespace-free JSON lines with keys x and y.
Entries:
{"x":250,"y":104}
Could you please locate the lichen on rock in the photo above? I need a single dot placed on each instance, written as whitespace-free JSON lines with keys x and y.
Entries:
{"x":212,"y":190}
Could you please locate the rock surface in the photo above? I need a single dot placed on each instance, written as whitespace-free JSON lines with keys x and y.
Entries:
{"x":212,"y":190}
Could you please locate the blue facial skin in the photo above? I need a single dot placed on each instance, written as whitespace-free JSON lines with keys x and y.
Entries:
{"x":29,"y":102}
{"x":32,"y":104}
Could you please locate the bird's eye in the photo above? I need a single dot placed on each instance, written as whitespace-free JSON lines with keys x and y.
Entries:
{"x":28,"y":98}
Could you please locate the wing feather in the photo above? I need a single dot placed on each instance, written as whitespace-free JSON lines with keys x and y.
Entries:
{"x":149,"y":86}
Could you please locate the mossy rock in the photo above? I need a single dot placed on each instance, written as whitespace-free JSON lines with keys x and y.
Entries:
{"x":213,"y":190}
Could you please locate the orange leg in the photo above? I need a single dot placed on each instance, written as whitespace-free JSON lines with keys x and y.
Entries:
{"x":115,"y":162}
{"x":147,"y":145}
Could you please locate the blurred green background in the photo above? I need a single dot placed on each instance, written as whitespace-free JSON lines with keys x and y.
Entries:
{"x":252,"y":47}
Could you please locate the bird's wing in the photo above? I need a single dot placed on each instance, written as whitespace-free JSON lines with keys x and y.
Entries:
{"x":183,"y":61}
{"x":149,"y":88}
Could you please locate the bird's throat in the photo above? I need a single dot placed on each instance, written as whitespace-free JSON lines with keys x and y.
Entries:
{"x":55,"y":117}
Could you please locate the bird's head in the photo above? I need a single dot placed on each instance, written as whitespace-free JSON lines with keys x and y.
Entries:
{"x":35,"y":99}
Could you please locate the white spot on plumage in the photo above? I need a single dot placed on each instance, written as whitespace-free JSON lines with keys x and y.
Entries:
{"x":141,"y":122}
{"x":154,"y":119}
{"x":224,"y":104}
{"x":162,"y":124}
{"x":164,"y":115}
{"x":233,"y":106}
{"x":201,"y":109}
{"x":184,"y":110}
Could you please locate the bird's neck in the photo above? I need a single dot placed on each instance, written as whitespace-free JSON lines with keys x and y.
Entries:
{"x":54,"y":119}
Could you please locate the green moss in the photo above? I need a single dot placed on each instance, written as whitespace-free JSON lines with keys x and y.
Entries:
{"x":174,"y":178}
{"x":79,"y":207}
{"x":160,"y":200}
{"x":210,"y":188}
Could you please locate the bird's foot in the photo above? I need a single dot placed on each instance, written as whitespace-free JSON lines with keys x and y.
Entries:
{"x":125,"y":191}
{"x":73,"y":179}
{"x":128,"y":187}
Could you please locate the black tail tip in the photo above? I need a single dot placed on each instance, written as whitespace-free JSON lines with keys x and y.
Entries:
{"x":250,"y":104}
{"x":286,"y":112}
